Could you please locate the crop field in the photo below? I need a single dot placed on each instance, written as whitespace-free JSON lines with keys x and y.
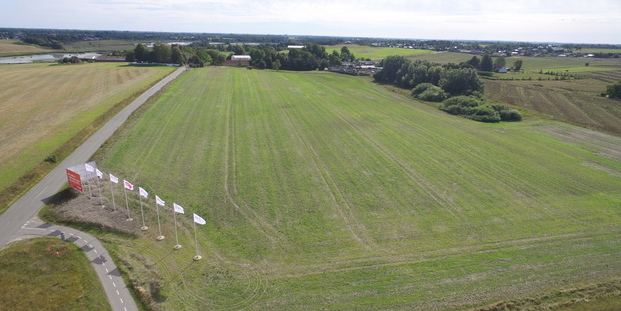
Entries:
{"x":9,"y":48}
{"x":100,"y":45}
{"x":596,"y":50}
{"x":329,"y":192}
{"x":573,"y":101}
{"x":43,"y":106}
{"x":375,"y":53}
{"x":444,"y":57}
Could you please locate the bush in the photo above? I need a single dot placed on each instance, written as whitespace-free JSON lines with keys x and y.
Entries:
{"x":433,"y":94}
{"x":417,"y":90}
{"x":429,"y":92}
{"x":483,"y":113}
{"x":510,"y":115}
{"x":614,"y":90}
{"x":507,"y":114}
{"x":474,"y":108}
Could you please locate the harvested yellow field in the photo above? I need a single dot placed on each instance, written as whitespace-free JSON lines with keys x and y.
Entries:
{"x":8,"y":47}
{"x":42,"y":106}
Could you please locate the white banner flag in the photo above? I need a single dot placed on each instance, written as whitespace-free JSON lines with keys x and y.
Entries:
{"x":89,"y":168}
{"x":199,"y":220}
{"x":114,"y":179}
{"x":159,"y":201}
{"x":178,"y":208}
{"x":99,"y":173}
{"x":143,"y":192}
{"x":128,"y":185}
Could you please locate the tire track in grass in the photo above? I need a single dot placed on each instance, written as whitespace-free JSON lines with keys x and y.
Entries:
{"x":156,"y":137}
{"x":439,"y":254}
{"x":579,"y":110}
{"x":439,"y":197}
{"x":187,"y":279}
{"x":344,"y":209}
{"x":490,"y":173}
{"x":230,"y":183}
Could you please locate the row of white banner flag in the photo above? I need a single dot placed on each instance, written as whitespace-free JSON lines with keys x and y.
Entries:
{"x":143,"y":193}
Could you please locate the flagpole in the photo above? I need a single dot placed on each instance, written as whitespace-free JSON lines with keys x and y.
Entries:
{"x":90,"y":194}
{"x":100,"y":196}
{"x":144,"y":227}
{"x":178,"y":246}
{"x":112,"y":193}
{"x":129,"y":218}
{"x":159,"y":227}
{"x":197,"y":257}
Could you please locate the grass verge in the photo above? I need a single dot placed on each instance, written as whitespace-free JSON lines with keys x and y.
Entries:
{"x":45,"y":274}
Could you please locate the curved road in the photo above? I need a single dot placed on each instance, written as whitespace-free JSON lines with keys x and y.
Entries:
{"x":16,"y":219}
{"x":109,"y":275}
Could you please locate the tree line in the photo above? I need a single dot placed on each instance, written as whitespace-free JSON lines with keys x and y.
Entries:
{"x":266,"y":56}
{"x":458,"y":88}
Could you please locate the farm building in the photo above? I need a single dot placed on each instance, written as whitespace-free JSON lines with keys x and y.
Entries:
{"x":238,"y":60}
{"x":241,"y":57}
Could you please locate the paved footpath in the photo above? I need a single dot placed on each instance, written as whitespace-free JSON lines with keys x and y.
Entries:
{"x":110,"y":277}
{"x":24,"y":209}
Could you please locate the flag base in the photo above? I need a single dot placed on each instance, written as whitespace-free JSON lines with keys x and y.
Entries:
{"x":198,"y":257}
{"x":177,"y":246}
{"x":144,"y":228}
{"x":161,"y":237}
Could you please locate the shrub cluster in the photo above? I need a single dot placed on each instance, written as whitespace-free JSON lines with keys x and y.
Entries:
{"x":429,"y":92}
{"x":476,"y":109}
{"x":614,"y":90}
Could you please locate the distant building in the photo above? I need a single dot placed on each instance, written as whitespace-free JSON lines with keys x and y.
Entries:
{"x":295,"y":47}
{"x":241,"y":57}
{"x":238,"y":60}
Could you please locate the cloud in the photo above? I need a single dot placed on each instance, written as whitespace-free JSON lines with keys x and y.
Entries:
{"x":465,"y":19}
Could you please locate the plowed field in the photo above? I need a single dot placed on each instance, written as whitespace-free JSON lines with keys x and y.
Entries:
{"x":575,"y":101}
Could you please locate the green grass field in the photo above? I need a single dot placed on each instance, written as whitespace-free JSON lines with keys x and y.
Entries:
{"x":13,"y":48}
{"x":375,"y":53}
{"x":34,"y":278}
{"x":596,"y":50}
{"x":325,"y":191}
{"x":100,"y":45}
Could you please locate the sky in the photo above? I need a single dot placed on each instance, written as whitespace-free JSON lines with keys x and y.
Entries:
{"x":569,"y":21}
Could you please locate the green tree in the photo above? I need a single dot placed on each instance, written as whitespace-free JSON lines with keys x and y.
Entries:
{"x":276,"y":65}
{"x":161,"y":53}
{"x":202,"y":54}
{"x":487,"y":64}
{"x":239,"y":50}
{"x":517,"y":65}
{"x":474,"y":62}
{"x":499,"y":62}
{"x":461,"y":82}
{"x":176,"y":56}
{"x":130,"y":56}
{"x":217,"y":58}
{"x":614,"y":90}
{"x":141,"y":53}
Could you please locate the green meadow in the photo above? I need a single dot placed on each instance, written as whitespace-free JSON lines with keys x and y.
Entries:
{"x":34,"y":277}
{"x":327,"y":191}
{"x":376,"y":53}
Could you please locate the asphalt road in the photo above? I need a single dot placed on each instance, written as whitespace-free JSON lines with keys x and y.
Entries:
{"x":29,"y":204}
